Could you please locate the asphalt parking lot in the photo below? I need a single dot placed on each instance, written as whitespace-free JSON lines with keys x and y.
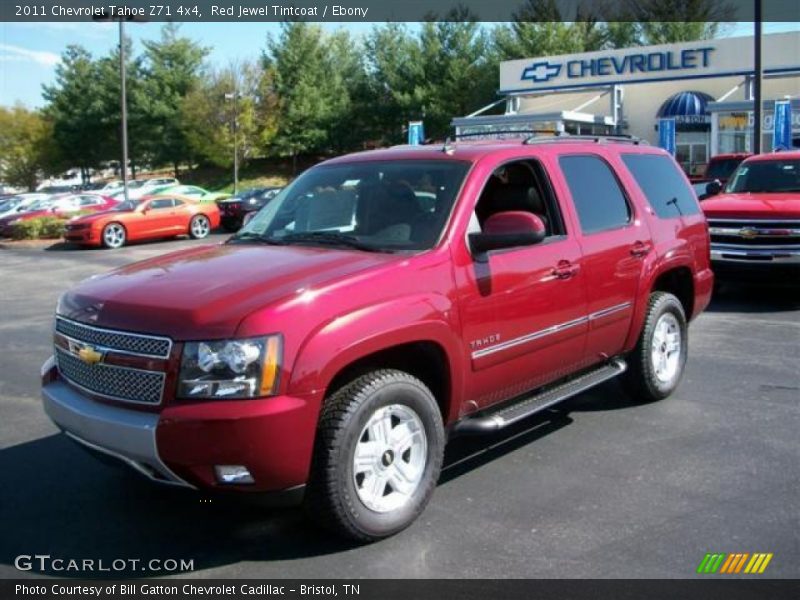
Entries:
{"x":599,"y":487}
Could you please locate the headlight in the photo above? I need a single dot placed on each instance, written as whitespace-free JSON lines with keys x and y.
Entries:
{"x":230,"y":369}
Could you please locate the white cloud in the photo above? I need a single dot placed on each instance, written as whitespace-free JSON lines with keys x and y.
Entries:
{"x":47,"y":59}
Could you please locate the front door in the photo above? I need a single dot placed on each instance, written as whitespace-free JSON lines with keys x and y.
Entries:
{"x":523,"y":309}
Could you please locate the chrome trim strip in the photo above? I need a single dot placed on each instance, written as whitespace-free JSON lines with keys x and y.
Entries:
{"x":529,"y":337}
{"x":610,"y":310}
{"x":753,"y":221}
{"x":120,"y":332}
{"x":110,"y":397}
{"x":549,"y":331}
{"x":752,"y":254}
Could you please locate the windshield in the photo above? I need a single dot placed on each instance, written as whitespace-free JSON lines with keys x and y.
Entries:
{"x":722,"y":169}
{"x":41,"y":204}
{"x":132,"y":185}
{"x":125,"y":206}
{"x":770,"y":176}
{"x":379,"y":206}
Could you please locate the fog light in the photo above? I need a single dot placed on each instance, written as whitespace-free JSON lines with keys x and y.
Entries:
{"x":233,"y":474}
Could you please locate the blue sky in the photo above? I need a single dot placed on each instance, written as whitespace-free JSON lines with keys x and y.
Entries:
{"x":29,"y":52}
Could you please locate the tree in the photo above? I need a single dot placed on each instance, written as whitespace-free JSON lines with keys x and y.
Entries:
{"x":25,"y":149}
{"x":207,"y":114}
{"x":77,"y":109}
{"x":310,"y":85}
{"x":170,"y":71}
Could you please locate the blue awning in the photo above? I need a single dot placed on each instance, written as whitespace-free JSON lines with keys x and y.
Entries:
{"x":685,"y":104}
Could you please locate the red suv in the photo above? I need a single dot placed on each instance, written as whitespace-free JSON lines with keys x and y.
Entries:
{"x":381,"y":303}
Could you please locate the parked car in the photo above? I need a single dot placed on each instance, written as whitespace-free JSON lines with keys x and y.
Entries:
{"x":151,"y":217}
{"x":191,"y":191}
{"x":720,"y":167}
{"x":755,"y":222}
{"x":18,"y":204}
{"x":233,"y":210}
{"x":62,"y":206}
{"x":332,"y":346}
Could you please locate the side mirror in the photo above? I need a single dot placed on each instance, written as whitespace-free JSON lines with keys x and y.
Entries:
{"x":713,"y":188}
{"x":507,"y":230}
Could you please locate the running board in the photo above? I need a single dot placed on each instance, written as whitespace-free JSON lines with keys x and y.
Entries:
{"x":494,"y":420}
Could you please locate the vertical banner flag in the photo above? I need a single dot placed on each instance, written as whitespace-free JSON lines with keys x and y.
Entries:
{"x":782,"y":131}
{"x":666,"y":135}
{"x":416,"y":133}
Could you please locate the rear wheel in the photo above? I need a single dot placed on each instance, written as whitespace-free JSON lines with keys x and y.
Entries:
{"x":199,"y":227}
{"x":114,"y":235}
{"x":377,"y":457}
{"x":658,"y":361}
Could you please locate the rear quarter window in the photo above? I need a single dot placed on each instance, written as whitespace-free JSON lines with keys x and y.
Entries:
{"x":662,"y":184}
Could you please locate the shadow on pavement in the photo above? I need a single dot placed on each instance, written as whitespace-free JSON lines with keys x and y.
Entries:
{"x":755,"y":297}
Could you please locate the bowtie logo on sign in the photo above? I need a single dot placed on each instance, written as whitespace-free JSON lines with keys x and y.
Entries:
{"x":541,"y":71}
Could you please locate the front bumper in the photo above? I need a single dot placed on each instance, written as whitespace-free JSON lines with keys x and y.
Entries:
{"x":772,"y":255}
{"x":272,"y":437}
{"x":127,"y":435}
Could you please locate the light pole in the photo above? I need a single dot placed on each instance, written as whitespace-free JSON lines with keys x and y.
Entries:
{"x":757,"y":79}
{"x":235,"y":96}
{"x":123,"y":99}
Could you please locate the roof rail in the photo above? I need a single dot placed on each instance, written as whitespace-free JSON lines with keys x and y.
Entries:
{"x":526,"y":133}
{"x":596,"y":138}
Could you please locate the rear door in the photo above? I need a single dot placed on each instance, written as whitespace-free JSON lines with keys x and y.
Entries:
{"x":614,"y":241}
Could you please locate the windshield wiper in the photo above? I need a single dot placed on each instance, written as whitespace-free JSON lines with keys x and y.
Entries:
{"x":247,"y":236}
{"x":329,"y":237}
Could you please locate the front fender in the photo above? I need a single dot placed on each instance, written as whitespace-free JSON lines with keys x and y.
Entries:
{"x":370,"y":329}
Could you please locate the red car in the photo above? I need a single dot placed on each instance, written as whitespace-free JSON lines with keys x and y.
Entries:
{"x":755,"y":222}
{"x":62,"y":206}
{"x":149,"y":218}
{"x":382,"y":303}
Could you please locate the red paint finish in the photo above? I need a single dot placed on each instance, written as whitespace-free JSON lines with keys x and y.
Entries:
{"x":144,"y":222}
{"x":520,"y":319}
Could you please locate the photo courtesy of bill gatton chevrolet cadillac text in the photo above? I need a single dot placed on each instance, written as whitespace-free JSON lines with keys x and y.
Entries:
{"x":380,"y":304}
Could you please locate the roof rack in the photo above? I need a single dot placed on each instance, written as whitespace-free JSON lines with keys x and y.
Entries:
{"x":526,"y":133}
{"x":596,"y":138}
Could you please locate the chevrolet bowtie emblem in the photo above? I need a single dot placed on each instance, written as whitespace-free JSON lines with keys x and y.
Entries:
{"x":748,"y":232}
{"x":89,"y":355}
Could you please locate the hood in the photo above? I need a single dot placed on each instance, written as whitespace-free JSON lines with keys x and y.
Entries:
{"x":756,"y":206}
{"x":96,"y":216}
{"x":206,"y":291}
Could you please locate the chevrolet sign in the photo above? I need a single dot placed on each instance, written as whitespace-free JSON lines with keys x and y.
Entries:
{"x":688,"y":60}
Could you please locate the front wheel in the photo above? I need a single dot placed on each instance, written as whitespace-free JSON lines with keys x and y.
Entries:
{"x":199,"y":227}
{"x":114,"y":235}
{"x":377,"y":456}
{"x":658,"y":361}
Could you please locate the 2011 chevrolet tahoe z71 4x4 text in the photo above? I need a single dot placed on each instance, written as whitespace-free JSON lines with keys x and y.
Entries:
{"x":382,"y":302}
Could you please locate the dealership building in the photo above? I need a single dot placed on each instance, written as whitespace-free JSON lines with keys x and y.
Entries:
{"x":705,"y":86}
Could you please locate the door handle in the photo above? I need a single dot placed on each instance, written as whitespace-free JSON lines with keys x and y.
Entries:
{"x":565,"y":269}
{"x":640,"y":249}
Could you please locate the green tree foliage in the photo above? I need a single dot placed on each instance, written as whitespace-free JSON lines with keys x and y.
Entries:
{"x":208,"y":113}
{"x":170,"y":71}
{"x":24,"y":146}
{"x":76,"y":106}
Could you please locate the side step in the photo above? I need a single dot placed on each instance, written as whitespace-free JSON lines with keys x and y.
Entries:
{"x":494,"y":420}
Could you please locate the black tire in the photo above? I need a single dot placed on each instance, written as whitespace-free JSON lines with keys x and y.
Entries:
{"x":231,"y":227}
{"x":119,"y":238}
{"x":332,"y":498}
{"x":642,"y":379}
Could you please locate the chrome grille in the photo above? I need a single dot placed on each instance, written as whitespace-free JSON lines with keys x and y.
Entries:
{"x":118,"y":341}
{"x":738,"y":232}
{"x":118,"y":383}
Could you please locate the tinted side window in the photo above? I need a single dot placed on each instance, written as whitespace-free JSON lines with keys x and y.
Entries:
{"x":599,"y":200}
{"x":164,"y":203}
{"x":663,"y":185}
